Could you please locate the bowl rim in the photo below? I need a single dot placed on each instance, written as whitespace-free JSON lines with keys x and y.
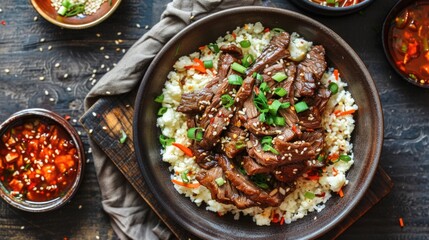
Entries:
{"x":377,"y":104}
{"x":331,"y":11}
{"x":75,"y":26}
{"x":387,"y":24}
{"x":58,"y":202}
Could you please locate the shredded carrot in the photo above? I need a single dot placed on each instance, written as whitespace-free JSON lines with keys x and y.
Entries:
{"x":343,"y":113}
{"x":198,"y":65}
{"x":334,"y":171}
{"x":282,"y":221}
{"x":336,"y":74}
{"x":188,"y":185}
{"x":234,"y":35}
{"x":341,"y":193}
{"x":401,"y":222}
{"x":187,"y":151}
{"x":333,"y":157}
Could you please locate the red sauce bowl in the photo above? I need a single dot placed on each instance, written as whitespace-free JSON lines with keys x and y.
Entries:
{"x":409,"y":57}
{"x":41,"y":160}
{"x":314,"y":7}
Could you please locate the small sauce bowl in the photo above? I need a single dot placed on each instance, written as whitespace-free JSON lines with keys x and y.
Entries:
{"x":48,"y":12}
{"x":405,"y":38}
{"x":41,"y":160}
{"x":329,"y":10}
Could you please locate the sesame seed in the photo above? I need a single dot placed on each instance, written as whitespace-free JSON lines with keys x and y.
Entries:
{"x":42,"y":40}
{"x":41,"y":49}
{"x":6,"y":70}
{"x":46,"y":92}
{"x":98,"y":35}
{"x":90,"y":131}
{"x":66,"y":75}
{"x":101,"y":48}
{"x":68,"y":89}
{"x":146,"y":27}
{"x":49,"y":47}
{"x":52,"y":99}
{"x":41,"y":78}
{"x":106,"y":57}
{"x":137,"y":25}
{"x":119,"y":33}
{"x":57,"y":65}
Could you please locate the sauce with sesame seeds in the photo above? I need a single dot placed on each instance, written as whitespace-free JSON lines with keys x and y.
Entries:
{"x":38,"y":161}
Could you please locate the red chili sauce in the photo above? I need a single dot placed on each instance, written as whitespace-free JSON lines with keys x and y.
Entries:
{"x":408,"y":39}
{"x":38,"y":161}
{"x":337,"y":3}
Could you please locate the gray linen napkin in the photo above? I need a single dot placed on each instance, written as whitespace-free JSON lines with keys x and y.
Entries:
{"x":131,"y":217}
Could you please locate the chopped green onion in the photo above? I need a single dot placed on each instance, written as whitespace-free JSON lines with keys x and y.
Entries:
{"x":280,"y":92}
{"x":195,"y":133}
{"x":333,"y":87}
{"x":279,"y":121}
{"x":261,"y":103}
{"x":238,"y":67}
{"x":274,"y":107}
{"x":227,"y":101}
{"x":165,"y":141}
{"x":279,"y":76}
{"x":123,"y":137}
{"x":285,"y":105}
{"x":208,"y":64}
{"x":245,"y":44}
{"x":247,"y":60}
{"x":184,"y":176}
{"x":301,"y":106}
{"x":267,"y":140}
{"x":309,"y":195}
{"x":270,"y":148}
{"x":262,"y":185}
{"x":220,"y":181}
{"x":345,"y":158}
{"x":242,"y":170}
{"x":159,"y":98}
{"x":262,"y":117}
{"x":213,"y":47}
{"x":240,"y":145}
{"x":260,"y":180}
{"x":27,"y":166}
{"x":321,"y":158}
{"x":277,"y":30}
{"x":264,"y":87}
{"x":161,"y":111}
{"x":62,"y":11}
{"x":331,"y":1}
{"x":404,"y":48}
{"x":269,"y":120}
{"x":234,"y":79}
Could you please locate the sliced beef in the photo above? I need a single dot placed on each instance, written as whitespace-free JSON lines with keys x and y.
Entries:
{"x":213,"y":132}
{"x":195,"y":102}
{"x":233,"y":50}
{"x":290,"y":172}
{"x":236,"y":141}
{"x":312,"y":118}
{"x":250,"y":189}
{"x":309,"y":72}
{"x":204,"y":159}
{"x":256,"y":127}
{"x":276,"y":50}
{"x":255,"y":151}
{"x":290,"y":116}
{"x":225,"y":193}
{"x":245,"y":90}
{"x":224,"y":64}
{"x":252,"y":167}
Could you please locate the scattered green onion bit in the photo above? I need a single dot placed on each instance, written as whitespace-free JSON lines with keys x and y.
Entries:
{"x":208,"y":64}
{"x":69,"y":9}
{"x":245,"y":44}
{"x":261,"y":103}
{"x":331,"y":1}
{"x":260,"y":180}
{"x":280,"y":91}
{"x":184,"y":176}
{"x":279,"y":76}
{"x":333,"y":87}
{"x":274,"y":107}
{"x":165,"y":141}
{"x":238,"y":67}
{"x":213,"y":47}
{"x":277,"y":30}
{"x":309,"y":195}
{"x":345,"y":158}
{"x":220,"y":181}
{"x":159,"y":98}
{"x":123,"y":137}
{"x":279,"y":121}
{"x":234,"y":79}
{"x":262,"y":117}
{"x":321,"y":158}
{"x":227,"y":101}
{"x":247,"y":60}
{"x":195,"y":133}
{"x":270,"y":148}
{"x":301,"y":106}
{"x":161,"y":111}
{"x":285,"y":105}
{"x":258,"y":76}
{"x":267,"y":140}
{"x":264,"y":87}
{"x":240,"y":145}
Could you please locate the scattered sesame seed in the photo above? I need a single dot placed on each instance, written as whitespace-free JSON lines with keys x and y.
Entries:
{"x":74,"y":120}
{"x":123,"y":50}
{"x":97,"y":237}
{"x":52,"y":99}
{"x":41,"y":49}
{"x":98,"y":35}
{"x":106,"y":57}
{"x":102,"y":66}
{"x":66,"y":75}
{"x":79,"y":133}
{"x":80,"y":207}
{"x":22,"y":227}
{"x":6,"y":70}
{"x":35,"y":18}
{"x":46,"y":92}
{"x":89,"y":150}
{"x":90,"y":131}
{"x":68,"y":89}
{"x":49,"y":47}
{"x":41,"y":78}
{"x":57,"y":65}
{"x":137,"y":25}
{"x":42,"y":40}
{"x":108,"y":92}
{"x":101,"y":48}
{"x":94,"y":114}
{"x":1,"y":10}
{"x":87,"y":160}
{"x":146,"y":27}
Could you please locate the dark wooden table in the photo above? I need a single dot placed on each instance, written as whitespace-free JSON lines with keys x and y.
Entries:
{"x":42,"y":65}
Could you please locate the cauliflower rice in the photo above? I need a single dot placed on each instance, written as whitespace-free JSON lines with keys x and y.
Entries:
{"x":310,"y":195}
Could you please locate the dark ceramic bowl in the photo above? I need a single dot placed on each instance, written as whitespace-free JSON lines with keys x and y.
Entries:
{"x":44,"y":8}
{"x":49,"y":117}
{"x":331,"y":11}
{"x":387,"y":40}
{"x":208,"y":225}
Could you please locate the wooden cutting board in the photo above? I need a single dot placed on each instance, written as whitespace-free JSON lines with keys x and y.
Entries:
{"x":109,"y":115}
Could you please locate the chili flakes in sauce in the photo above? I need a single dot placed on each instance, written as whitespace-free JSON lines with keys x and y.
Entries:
{"x":38,"y":160}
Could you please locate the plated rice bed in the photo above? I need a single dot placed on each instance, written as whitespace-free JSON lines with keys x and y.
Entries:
{"x":224,"y":124}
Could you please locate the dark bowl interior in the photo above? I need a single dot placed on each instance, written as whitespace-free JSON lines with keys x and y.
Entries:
{"x":48,"y":12}
{"x":386,"y":40}
{"x":331,"y":11}
{"x":48,"y":116}
{"x":208,"y":225}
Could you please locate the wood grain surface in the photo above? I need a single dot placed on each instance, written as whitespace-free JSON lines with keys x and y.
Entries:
{"x":30,"y":77}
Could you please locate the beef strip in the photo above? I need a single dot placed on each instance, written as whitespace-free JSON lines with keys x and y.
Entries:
{"x":233,"y":50}
{"x":252,"y":167}
{"x":309,"y":72}
{"x":236,"y":141}
{"x":312,"y":118}
{"x":204,"y":158}
{"x":195,"y":102}
{"x":243,"y":184}
{"x":290,"y":172}
{"x":213,"y":132}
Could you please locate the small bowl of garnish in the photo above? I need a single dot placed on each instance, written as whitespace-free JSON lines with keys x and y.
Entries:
{"x":41,"y":160}
{"x":75,"y":14}
{"x":333,"y":7}
{"x":405,"y":40}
